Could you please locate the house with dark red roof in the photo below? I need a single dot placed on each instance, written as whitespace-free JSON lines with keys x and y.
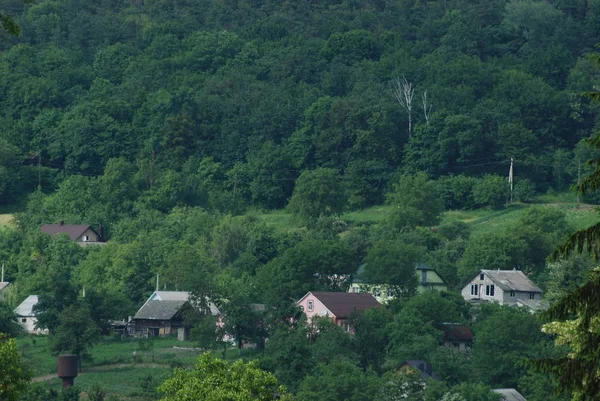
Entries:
{"x":338,"y":306}
{"x":81,"y":233}
{"x":456,"y":335}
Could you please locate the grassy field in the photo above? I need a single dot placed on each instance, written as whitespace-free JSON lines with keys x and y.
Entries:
{"x":481,"y":221}
{"x":123,"y":383}
{"x":38,"y":357}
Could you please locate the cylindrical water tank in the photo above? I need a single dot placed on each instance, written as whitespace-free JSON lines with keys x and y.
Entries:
{"x":68,"y":367}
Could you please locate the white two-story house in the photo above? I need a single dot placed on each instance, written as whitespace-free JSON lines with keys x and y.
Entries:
{"x":508,"y":287}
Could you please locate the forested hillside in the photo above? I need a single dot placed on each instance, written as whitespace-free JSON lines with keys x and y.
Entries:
{"x":238,"y":98}
{"x":180,"y":128}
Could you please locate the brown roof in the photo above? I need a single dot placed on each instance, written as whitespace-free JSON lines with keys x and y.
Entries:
{"x":73,"y":230}
{"x":342,"y":304}
{"x":456,"y":332}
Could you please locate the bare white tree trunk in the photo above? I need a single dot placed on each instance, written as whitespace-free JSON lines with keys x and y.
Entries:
{"x":403,"y":92}
{"x":426,"y":107}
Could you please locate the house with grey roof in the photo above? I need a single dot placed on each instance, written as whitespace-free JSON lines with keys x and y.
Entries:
{"x":26,"y":317}
{"x":163,"y":314}
{"x":81,"y":233}
{"x":508,"y":287}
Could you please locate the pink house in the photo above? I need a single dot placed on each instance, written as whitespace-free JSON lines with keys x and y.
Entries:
{"x":338,"y":306}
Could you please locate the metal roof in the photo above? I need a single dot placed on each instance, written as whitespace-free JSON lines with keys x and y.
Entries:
{"x":26,"y":307}
{"x":509,"y":394}
{"x":511,"y":280}
{"x":181,"y":296}
{"x":159,"y":310}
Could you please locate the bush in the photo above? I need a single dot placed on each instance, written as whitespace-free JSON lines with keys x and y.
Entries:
{"x":457,"y":191}
{"x":491,"y":191}
{"x":318,"y":193}
{"x":524,"y":190}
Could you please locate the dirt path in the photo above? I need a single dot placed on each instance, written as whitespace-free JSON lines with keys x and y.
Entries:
{"x":102,"y":368}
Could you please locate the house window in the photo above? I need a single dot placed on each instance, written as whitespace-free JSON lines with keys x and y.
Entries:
{"x":86,"y":238}
{"x":481,"y":276}
{"x":24,"y":320}
{"x":532,"y":295}
{"x":310,"y":306}
{"x":474,"y":289}
{"x":489,"y":290}
{"x":512,"y":293}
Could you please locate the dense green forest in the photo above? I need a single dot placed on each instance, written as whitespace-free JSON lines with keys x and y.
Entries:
{"x":173,"y":124}
{"x":238,"y":98}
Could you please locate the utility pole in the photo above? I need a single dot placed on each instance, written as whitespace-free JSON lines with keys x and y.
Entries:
{"x":578,"y":178}
{"x":511,"y":178}
{"x":40,"y":171}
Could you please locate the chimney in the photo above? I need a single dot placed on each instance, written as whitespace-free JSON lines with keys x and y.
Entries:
{"x":60,"y":222}
{"x":157,"y":282}
{"x":2,"y":273}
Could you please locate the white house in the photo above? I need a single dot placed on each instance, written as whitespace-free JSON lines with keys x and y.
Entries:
{"x":508,"y":287}
{"x":26,"y":317}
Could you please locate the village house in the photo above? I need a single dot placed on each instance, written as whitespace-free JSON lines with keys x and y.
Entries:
{"x":338,"y":306}
{"x":508,"y":287}
{"x":428,"y":279}
{"x":457,"y":336}
{"x":420,"y":367}
{"x":80,"y":233}
{"x":163,"y":314}
{"x":26,"y":317}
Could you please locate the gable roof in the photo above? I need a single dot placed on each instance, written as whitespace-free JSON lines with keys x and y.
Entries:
{"x":342,"y":304}
{"x":456,"y":332}
{"x":510,"y":280}
{"x":509,"y":394}
{"x":159,"y":310}
{"x":26,"y":307}
{"x":178,"y":296}
{"x":170,"y":296}
{"x":73,"y":230}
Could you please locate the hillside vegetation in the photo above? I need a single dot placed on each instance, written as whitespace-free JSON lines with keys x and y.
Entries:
{"x":250,"y":151}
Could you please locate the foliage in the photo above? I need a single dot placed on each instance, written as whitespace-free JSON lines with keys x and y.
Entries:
{"x":492,"y":191}
{"x":14,"y":376}
{"x":213,"y":379}
{"x":393,"y":263}
{"x":415,"y":201}
{"x":338,"y":380}
{"x":317,"y":193}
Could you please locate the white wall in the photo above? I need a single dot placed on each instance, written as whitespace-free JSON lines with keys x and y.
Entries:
{"x":28,"y":324}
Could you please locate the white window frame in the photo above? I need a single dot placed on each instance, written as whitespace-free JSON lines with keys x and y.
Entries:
{"x":310,"y":305}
